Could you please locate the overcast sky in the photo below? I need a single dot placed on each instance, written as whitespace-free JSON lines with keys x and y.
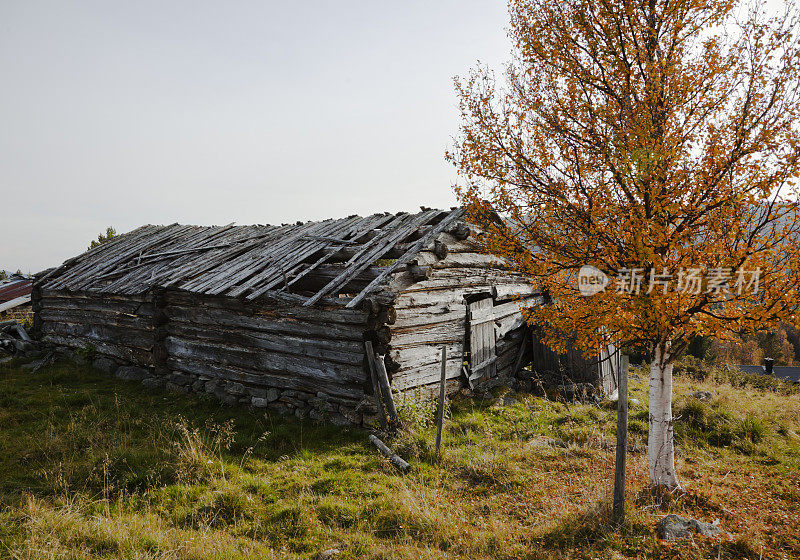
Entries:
{"x":126,"y":113}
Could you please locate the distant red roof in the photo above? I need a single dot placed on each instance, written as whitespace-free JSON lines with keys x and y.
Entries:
{"x":14,"y":287}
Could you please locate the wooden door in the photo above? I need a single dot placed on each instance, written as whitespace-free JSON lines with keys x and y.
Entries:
{"x":481,"y":341}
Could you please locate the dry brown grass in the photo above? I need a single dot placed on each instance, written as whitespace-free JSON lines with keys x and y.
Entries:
{"x":97,"y":469}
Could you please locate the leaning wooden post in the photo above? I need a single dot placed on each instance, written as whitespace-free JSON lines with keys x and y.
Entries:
{"x":618,"y":512}
{"x":396,"y":460}
{"x":386,"y":389}
{"x":375,"y":386}
{"x":440,"y":411}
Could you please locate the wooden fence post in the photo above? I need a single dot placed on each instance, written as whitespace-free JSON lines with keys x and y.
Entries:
{"x":618,"y":511}
{"x":440,"y":411}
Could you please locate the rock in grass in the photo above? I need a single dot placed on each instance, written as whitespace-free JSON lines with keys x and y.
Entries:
{"x":131,"y":373}
{"x":328,"y":554}
{"x":674,"y":527}
{"x":154,"y":383}
{"x":106,"y":365}
{"x":702,"y":395}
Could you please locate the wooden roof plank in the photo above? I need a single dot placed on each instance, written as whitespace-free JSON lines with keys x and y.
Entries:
{"x":280,"y":264}
{"x":408,"y":255}
{"x":233,"y":261}
{"x":364,"y":258}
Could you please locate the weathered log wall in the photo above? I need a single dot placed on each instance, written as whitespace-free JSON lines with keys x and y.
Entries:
{"x":291,"y":359}
{"x":307,"y":361}
{"x":433,"y":313}
{"x":117,"y":327}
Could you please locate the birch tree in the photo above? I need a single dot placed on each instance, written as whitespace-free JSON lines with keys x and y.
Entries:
{"x":654,"y":144}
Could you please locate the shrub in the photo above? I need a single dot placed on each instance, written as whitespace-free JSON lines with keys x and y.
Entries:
{"x":417,"y":409}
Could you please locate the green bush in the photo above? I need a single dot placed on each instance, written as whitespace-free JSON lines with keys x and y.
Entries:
{"x":417,"y":409}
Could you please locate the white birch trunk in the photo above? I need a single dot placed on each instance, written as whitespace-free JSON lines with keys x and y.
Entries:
{"x":660,"y":443}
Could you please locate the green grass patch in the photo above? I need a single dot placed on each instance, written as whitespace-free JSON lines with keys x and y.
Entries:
{"x":97,"y":468}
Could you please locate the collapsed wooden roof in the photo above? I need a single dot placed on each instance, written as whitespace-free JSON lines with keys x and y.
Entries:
{"x":251,"y":261}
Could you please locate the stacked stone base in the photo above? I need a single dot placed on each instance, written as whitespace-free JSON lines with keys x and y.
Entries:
{"x":286,"y":402}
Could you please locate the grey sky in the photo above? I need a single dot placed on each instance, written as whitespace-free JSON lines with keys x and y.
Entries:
{"x":125,"y":113}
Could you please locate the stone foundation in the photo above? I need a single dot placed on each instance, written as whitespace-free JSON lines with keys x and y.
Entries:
{"x":286,"y":402}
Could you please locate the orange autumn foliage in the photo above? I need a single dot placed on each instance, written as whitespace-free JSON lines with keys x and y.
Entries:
{"x":659,"y":135}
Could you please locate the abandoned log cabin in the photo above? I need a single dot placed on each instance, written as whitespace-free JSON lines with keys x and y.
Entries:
{"x":278,"y":316}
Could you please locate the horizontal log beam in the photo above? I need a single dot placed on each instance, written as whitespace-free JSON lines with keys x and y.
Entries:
{"x":265,"y":361}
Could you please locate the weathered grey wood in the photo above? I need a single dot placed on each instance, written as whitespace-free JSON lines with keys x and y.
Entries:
{"x":132,"y":308}
{"x":362,"y":232}
{"x":440,"y":333}
{"x":415,"y":377}
{"x":88,"y":278}
{"x":412,"y":251}
{"x":440,"y":411}
{"x":325,"y":273}
{"x":289,"y":256}
{"x":461,"y":260}
{"x":342,"y":392}
{"x":396,"y":460}
{"x":337,"y":351}
{"x":132,"y":338}
{"x":439,"y":297}
{"x":106,"y":318}
{"x":194,"y":275}
{"x":505,"y":363}
{"x":147,"y":259}
{"x":245,"y":266}
{"x":16,"y":302}
{"x":424,"y":316}
{"x":93,"y":296}
{"x":124,"y":353}
{"x":267,"y":361}
{"x":507,"y":324}
{"x":331,"y":239}
{"x":85,"y":264}
{"x":361,"y":235}
{"x":511,"y":291}
{"x":618,"y":510}
{"x":407,"y":309}
{"x":386,"y":390}
{"x":274,"y":305}
{"x":410,"y":357}
{"x":285,"y":341}
{"x":376,"y":389}
{"x":230,"y":265}
{"x":23,"y":334}
{"x":266,"y":324}
{"x":482,"y":343}
{"x":514,"y":307}
{"x":372,"y":250}
{"x":483,"y":369}
{"x":289,"y":262}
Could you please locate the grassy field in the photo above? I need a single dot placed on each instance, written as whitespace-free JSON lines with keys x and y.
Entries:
{"x":96,"y":468}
